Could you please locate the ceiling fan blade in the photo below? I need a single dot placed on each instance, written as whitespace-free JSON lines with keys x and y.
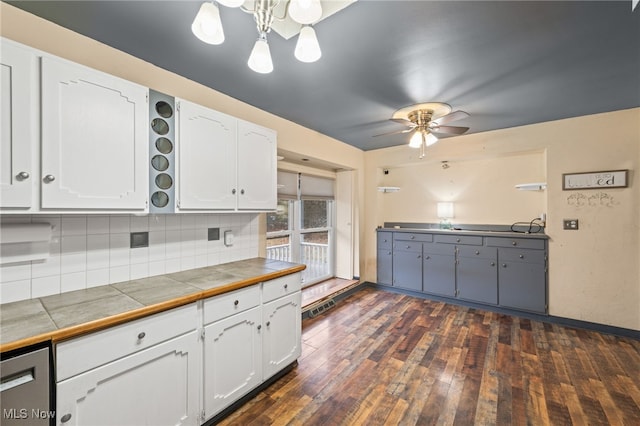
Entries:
{"x":455,"y":115}
{"x":450,"y":130}
{"x":404,"y":121}
{"x":394,"y":132}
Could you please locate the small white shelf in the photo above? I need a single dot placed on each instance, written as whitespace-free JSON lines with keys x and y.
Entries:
{"x":536,"y":186}
{"x":386,"y":189}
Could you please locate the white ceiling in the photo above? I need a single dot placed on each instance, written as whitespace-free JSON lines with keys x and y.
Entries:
{"x":507,"y":63}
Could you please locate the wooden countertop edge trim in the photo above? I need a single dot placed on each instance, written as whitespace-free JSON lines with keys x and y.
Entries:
{"x":113,"y":320}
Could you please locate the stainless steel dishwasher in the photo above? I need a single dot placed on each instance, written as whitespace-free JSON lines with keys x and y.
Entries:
{"x":25,"y":386}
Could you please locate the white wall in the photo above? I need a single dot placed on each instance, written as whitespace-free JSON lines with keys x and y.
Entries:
{"x":92,"y":250}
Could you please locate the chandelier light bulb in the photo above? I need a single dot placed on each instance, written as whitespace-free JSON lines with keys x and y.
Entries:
{"x":430,"y":139}
{"x":207,"y":25}
{"x":305,"y":11}
{"x":260,"y":58}
{"x":231,"y":3}
{"x":307,"y":47}
{"x":416,"y":140}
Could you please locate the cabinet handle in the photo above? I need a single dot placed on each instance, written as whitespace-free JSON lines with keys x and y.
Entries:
{"x":235,"y":302}
{"x":286,"y":286}
{"x":408,"y":246}
{"x":504,"y":265}
{"x":413,"y":237}
{"x":428,"y":257}
{"x":233,"y":191}
{"x":268,"y":323}
{"x":477,"y":252}
{"x":419,"y":256}
{"x":141,"y":335}
{"x":22,"y":176}
{"x":259,"y":326}
{"x":65,"y":418}
{"x":493,"y":263}
{"x":521,"y":256}
{"x":513,"y":243}
{"x":242,"y":192}
{"x":49,"y":178}
{"x":389,"y":253}
{"x":457,"y":240}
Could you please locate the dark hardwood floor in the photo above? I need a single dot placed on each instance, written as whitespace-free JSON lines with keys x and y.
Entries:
{"x":383,"y":358}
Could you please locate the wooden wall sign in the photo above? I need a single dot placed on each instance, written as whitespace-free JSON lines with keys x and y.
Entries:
{"x":595,"y":180}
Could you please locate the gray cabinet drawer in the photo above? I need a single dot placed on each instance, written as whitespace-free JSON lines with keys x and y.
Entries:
{"x":407,"y":246}
{"x":525,"y":243}
{"x":385,"y":240}
{"x":459,"y":239}
{"x":477,"y":252}
{"x":521,"y":255}
{"x":435,"y":248}
{"x":409,"y":236}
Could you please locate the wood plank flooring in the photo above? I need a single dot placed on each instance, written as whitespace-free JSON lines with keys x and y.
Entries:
{"x":380,"y":358}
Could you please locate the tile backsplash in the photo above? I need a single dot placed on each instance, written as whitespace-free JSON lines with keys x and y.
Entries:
{"x":93,"y":250}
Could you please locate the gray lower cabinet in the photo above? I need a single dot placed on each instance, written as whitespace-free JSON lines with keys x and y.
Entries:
{"x":477,"y":275}
{"x":439,"y":270}
{"x":522,"y":279}
{"x":407,"y":269}
{"x":385,"y":266}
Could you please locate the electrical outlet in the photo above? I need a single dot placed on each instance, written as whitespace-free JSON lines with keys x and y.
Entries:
{"x":570,"y":224}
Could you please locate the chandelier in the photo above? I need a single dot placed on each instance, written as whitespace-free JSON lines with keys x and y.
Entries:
{"x":207,"y":26}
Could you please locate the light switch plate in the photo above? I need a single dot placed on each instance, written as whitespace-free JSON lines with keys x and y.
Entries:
{"x":570,"y":224}
{"x":228,"y":238}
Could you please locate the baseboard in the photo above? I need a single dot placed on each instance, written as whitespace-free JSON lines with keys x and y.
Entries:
{"x":568,"y":322}
{"x":336,"y":297}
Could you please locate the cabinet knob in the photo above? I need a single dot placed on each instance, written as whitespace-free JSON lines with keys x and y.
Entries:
{"x":428,"y":257}
{"x":477,"y":251}
{"x":504,"y":265}
{"x":235,"y":302}
{"x":286,"y":286}
{"x":22,"y":176}
{"x":521,"y":256}
{"x":493,"y":263}
{"x":268,"y":323}
{"x":413,"y":237}
{"x":233,"y":191}
{"x":49,"y":178}
{"x":141,"y":335}
{"x":513,"y":243}
{"x":242,"y":191}
{"x":457,"y":240}
{"x":65,"y":418}
{"x":259,"y":326}
{"x":408,"y":246}
{"x":389,"y":252}
{"x":419,"y":256}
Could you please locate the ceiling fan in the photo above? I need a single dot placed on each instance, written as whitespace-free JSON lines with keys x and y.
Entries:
{"x":426,"y":123}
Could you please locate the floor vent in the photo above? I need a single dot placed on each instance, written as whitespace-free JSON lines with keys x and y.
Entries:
{"x":326,"y":305}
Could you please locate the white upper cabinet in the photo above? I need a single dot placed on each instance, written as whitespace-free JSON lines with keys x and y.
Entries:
{"x":257,"y":168}
{"x":207,"y":158}
{"x":94,"y":139}
{"x":224,"y":163}
{"x":17,"y":127}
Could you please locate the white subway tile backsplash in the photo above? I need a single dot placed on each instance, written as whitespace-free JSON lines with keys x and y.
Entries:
{"x":92,"y":250}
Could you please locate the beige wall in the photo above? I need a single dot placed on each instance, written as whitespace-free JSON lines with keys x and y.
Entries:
{"x":593,"y":272}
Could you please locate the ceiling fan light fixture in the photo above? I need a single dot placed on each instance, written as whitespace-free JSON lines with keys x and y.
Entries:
{"x":430,"y":139}
{"x":307,"y":47}
{"x":416,"y":140}
{"x":207,"y":25}
{"x":260,"y":58}
{"x":305,"y":11}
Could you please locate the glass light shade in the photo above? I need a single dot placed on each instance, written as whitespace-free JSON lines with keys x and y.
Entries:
{"x":445,"y":210}
{"x":305,"y":11}
{"x":231,"y":3}
{"x":207,"y":25}
{"x":416,"y":140}
{"x":260,"y":58}
{"x":307,"y":47}
{"x":430,"y":139}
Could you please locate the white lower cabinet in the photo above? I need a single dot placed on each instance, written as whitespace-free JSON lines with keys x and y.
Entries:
{"x":232,"y":359}
{"x":281,"y":339}
{"x":157,"y":386}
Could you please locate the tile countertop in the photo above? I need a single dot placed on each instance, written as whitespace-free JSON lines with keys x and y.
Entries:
{"x":482,"y":233}
{"x":67,"y":315}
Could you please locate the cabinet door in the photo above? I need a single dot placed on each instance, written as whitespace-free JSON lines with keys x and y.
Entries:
{"x":232,"y":359}
{"x":282,"y":333}
{"x":158,"y":386}
{"x":206,"y":158}
{"x":94,"y":139}
{"x":17,"y":131}
{"x":407,"y":270}
{"x":385,"y":266}
{"x":257,"y":168}
{"x":439,"y":274}
{"x":522,"y":285}
{"x":477,"y":280}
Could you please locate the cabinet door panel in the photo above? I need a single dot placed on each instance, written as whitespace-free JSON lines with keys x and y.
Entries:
{"x":206,"y":158}
{"x":477,"y":279}
{"x":522,"y":286}
{"x":282,"y":333}
{"x":385,"y":266}
{"x":407,"y":270}
{"x":17,"y":132}
{"x":439,"y":274}
{"x":232,"y":359}
{"x":158,"y":386}
{"x":94,"y":139}
{"x":257,"y":181}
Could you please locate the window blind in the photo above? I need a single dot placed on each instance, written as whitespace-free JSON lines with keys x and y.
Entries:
{"x":287,"y":185}
{"x":316,"y":188}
